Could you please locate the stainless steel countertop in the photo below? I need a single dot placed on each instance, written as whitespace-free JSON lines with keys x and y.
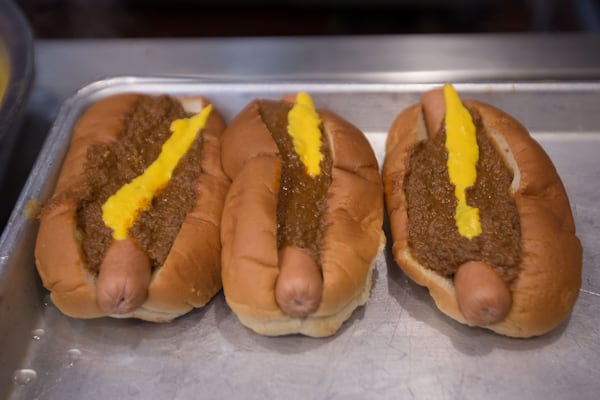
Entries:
{"x":64,"y":66}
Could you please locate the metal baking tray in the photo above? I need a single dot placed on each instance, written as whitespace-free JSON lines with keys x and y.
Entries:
{"x":397,"y":346}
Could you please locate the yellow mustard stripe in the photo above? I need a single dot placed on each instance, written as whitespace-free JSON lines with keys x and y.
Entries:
{"x":122,"y":209}
{"x":304,"y":128}
{"x":463,"y":153}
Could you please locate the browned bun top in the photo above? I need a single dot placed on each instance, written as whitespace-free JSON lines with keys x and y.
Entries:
{"x":190,"y":275}
{"x":354,"y":214}
{"x":100,"y":124}
{"x":549,"y":278}
{"x":351,"y":240}
{"x":246,"y":137}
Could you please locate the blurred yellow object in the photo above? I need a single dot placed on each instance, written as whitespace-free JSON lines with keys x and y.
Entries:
{"x":4,"y":70}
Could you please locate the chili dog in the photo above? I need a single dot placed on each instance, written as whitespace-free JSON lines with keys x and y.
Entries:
{"x":132,"y":229}
{"x":302,"y":221}
{"x":480,"y":216}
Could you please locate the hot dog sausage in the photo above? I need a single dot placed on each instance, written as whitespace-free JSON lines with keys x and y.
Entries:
{"x":434,"y":109}
{"x":482,"y":295}
{"x":124,"y":277}
{"x":299,"y":284}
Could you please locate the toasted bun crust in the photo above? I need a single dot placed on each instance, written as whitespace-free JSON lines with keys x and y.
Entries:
{"x":352,"y":239}
{"x":190,"y":276}
{"x":548,"y":284}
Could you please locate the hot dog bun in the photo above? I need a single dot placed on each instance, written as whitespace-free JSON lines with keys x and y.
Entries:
{"x":549,"y":274}
{"x":190,"y":274}
{"x":351,"y":239}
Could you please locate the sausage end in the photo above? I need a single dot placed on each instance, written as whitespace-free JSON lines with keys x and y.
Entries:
{"x":434,"y":110}
{"x":483,"y":297}
{"x":299,"y":284}
{"x":124,"y":277}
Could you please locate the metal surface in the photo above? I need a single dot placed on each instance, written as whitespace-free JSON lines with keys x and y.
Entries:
{"x":410,"y":58}
{"x":397,"y":346}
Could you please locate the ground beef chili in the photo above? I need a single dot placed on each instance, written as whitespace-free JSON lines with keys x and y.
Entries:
{"x":302,"y":199}
{"x":108,"y":167}
{"x":433,"y":237}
